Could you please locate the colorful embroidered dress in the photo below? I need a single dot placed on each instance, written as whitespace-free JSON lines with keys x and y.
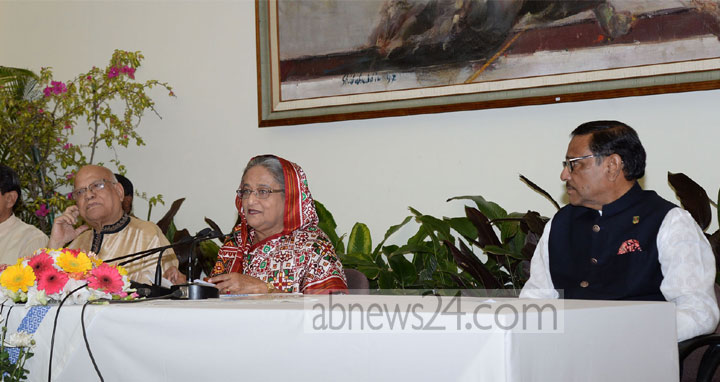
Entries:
{"x":298,"y":259}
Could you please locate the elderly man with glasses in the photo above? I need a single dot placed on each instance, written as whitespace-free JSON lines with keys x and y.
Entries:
{"x":616,"y":241}
{"x":98,"y":197}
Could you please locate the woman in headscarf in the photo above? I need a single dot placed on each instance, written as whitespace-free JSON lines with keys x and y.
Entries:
{"x":277,"y":247}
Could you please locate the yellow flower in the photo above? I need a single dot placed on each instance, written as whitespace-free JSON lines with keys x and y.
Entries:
{"x":121,"y":270}
{"x":71,"y":263}
{"x":17,"y":277}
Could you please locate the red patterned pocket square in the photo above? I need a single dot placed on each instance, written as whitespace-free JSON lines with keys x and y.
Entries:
{"x":631,"y":245}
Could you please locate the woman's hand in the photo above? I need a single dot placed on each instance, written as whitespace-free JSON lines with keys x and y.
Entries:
{"x":238,"y":283}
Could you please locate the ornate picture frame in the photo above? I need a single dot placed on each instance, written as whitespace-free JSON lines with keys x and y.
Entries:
{"x":316,"y":63}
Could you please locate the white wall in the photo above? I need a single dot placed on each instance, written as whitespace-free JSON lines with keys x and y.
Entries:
{"x":368,"y":170}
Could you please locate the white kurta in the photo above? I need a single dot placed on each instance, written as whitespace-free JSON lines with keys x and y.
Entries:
{"x":18,"y":239}
{"x":138,"y":235}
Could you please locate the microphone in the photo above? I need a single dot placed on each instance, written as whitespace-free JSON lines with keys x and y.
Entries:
{"x":204,"y":232}
{"x":143,"y":291}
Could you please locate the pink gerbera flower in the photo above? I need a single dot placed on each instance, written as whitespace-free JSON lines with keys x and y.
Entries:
{"x":105,"y":278}
{"x":41,"y":263}
{"x":52,"y":281}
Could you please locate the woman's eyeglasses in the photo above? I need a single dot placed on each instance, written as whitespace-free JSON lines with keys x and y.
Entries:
{"x":261,"y":193}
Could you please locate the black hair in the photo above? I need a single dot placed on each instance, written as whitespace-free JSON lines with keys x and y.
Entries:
{"x":127,"y":185}
{"x":614,"y":137}
{"x":9,"y":181}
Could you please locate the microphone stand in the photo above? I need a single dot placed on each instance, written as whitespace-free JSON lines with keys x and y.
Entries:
{"x":193,"y":290}
{"x":156,"y":289}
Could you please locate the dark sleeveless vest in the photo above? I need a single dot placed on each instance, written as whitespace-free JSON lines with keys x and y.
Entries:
{"x":612,"y":256}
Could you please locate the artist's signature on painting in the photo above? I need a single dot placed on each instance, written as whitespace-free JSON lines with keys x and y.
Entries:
{"x":368,"y":78}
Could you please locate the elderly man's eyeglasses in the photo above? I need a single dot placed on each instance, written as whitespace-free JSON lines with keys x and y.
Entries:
{"x":260,"y":193}
{"x":570,"y":162}
{"x":94,"y":187}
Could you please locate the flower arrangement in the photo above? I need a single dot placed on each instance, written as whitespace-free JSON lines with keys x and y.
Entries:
{"x":13,"y":368}
{"x":51,"y":274}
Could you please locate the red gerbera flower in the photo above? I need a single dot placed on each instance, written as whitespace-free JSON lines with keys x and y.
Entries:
{"x":52,"y":281}
{"x":41,"y":263}
{"x":105,"y":278}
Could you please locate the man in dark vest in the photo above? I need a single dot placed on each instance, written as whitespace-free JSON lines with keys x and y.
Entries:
{"x":617,"y":242}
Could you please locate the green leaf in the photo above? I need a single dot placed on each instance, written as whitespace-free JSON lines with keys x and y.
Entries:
{"x":412,"y":248}
{"x":208,"y":252}
{"x":502,"y":251}
{"x":356,"y":258}
{"x":436,"y":225}
{"x":359,"y":240}
{"x":509,"y":228}
{"x":327,"y":224}
{"x":362,"y":263}
{"x":386,"y":280}
{"x":171,"y":229}
{"x":431,"y":262}
{"x":419,"y":236}
{"x":490,"y":209}
{"x":404,"y":270}
{"x":464,"y":227}
{"x":389,"y":232}
{"x":431,"y":225}
{"x":19,"y":83}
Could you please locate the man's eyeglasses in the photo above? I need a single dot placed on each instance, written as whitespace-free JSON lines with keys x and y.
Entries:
{"x":570,"y":163}
{"x":261,"y":193}
{"x":94,"y":187}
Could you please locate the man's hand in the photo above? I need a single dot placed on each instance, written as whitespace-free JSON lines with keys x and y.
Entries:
{"x":175,"y":276}
{"x":63,"y":231}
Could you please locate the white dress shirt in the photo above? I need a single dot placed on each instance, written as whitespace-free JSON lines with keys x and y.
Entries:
{"x":687,"y":264}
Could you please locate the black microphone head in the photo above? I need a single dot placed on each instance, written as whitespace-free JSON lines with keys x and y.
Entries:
{"x":204,"y":232}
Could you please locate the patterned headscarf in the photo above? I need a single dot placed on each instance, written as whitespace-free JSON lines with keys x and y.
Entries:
{"x":299,"y":212}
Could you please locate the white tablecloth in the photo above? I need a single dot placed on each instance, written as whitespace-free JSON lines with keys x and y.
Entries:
{"x":283,"y":340}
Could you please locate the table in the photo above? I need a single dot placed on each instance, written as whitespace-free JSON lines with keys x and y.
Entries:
{"x":360,"y":338}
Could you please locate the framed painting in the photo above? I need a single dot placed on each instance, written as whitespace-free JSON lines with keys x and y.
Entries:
{"x":331,"y":60}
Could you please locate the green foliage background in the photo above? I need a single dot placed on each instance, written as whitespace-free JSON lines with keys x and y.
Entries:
{"x":38,"y":116}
